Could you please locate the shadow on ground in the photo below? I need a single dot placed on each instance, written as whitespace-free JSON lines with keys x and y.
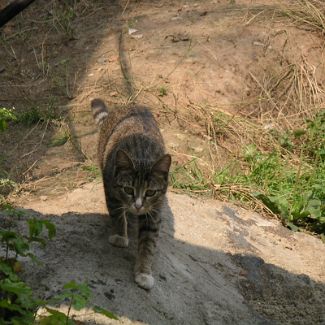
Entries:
{"x":194,"y":284}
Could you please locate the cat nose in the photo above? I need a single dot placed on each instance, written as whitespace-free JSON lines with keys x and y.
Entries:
{"x":138,"y":203}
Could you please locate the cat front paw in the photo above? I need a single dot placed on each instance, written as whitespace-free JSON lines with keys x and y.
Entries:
{"x":118,"y":241}
{"x":144,"y":280}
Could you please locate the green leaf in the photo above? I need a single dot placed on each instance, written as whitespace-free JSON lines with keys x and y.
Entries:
{"x":79,"y":302}
{"x":3,"y":125}
{"x":18,"y":288}
{"x":15,"y":242}
{"x":299,"y":132}
{"x":51,"y":228}
{"x":300,"y":214}
{"x":39,"y":240}
{"x":268,"y":201}
{"x":104,"y":312}
{"x":5,"y":304}
{"x":250,"y":152}
{"x":26,"y":319}
{"x":35,"y":227}
{"x":77,"y":294}
{"x":55,"y":318}
{"x":81,"y":288}
{"x":314,"y":208}
{"x":8,"y":271}
{"x":5,"y":116}
{"x":20,"y":246}
{"x":291,"y":226}
{"x":7,"y":235}
{"x":59,"y":140}
{"x":5,"y":268}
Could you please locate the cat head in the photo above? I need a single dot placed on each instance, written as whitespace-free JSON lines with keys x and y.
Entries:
{"x":140,"y":185}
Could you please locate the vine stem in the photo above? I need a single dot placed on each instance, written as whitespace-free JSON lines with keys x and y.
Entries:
{"x":68,"y":314}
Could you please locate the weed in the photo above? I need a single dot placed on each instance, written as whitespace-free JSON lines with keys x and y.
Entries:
{"x":63,"y":16}
{"x":18,"y":306}
{"x":59,"y":140}
{"x":6,"y":186}
{"x":30,"y":117}
{"x":162,"y":91}
{"x":307,"y":12}
{"x":295,"y":194}
{"x":93,"y":171}
{"x":75,"y":295}
{"x":16,"y":298}
{"x":189,"y":177}
{"x":6,"y":115}
{"x":34,"y":115}
{"x":273,"y":179}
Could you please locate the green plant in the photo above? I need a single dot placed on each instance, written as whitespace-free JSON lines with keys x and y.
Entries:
{"x":34,"y":115}
{"x":6,"y":185}
{"x":6,"y":115}
{"x":30,"y":117}
{"x":63,"y":16}
{"x":189,"y":177}
{"x":162,"y":91}
{"x":59,"y":140}
{"x":93,"y":171}
{"x":18,"y":305}
{"x":297,"y":194}
{"x":75,"y":296}
{"x":314,"y":137}
{"x":286,"y":178}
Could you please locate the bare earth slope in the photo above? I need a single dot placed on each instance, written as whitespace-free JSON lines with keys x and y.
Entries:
{"x":217,"y":264}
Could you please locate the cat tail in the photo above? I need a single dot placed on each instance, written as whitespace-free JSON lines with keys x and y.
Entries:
{"x":100,"y":111}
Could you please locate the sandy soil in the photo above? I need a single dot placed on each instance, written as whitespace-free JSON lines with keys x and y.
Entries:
{"x":203,"y":57}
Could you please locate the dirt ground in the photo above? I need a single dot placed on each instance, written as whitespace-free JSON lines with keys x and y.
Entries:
{"x":187,"y":61}
{"x":217,"y":264}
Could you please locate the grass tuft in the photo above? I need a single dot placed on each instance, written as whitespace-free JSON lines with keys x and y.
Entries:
{"x":34,"y":115}
{"x":93,"y":171}
{"x":310,"y":13}
{"x":59,"y":140}
{"x":283,"y":174}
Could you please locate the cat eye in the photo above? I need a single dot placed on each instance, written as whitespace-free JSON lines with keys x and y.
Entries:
{"x":150,"y":192}
{"x":128,"y":190}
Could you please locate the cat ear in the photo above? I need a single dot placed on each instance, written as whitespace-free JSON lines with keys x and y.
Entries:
{"x":123,"y":161}
{"x":162,"y":165}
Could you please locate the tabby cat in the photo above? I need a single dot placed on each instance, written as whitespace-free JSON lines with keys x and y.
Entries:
{"x":135,"y":168}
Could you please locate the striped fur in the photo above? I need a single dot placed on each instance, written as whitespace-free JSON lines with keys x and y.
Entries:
{"x":99,"y":111}
{"x":135,"y":168}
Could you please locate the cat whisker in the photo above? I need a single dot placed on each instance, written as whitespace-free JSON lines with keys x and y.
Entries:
{"x":151,"y":216}
{"x":119,"y":208}
{"x":153,"y":210}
